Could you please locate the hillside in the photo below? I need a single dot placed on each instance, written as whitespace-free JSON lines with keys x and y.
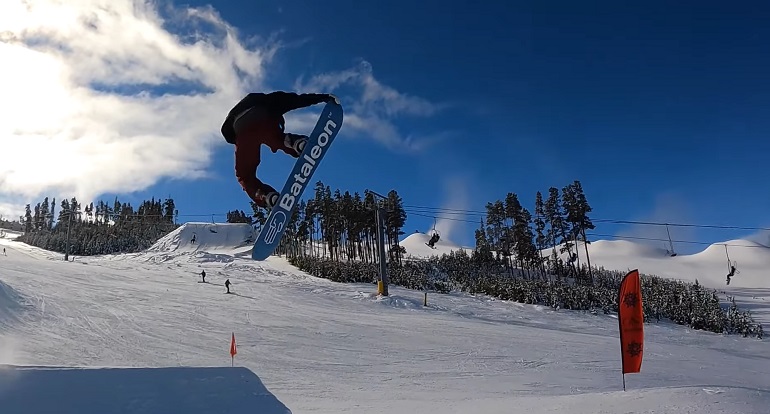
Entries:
{"x":708,"y":266}
{"x":416,"y":246}
{"x":160,"y":339}
{"x":204,"y":242}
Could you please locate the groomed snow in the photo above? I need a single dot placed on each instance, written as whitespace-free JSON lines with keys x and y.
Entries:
{"x":322,"y":347}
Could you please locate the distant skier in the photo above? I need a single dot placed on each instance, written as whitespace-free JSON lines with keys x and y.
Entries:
{"x":4,"y":252}
{"x":227,"y":285}
{"x":258,"y":119}
{"x":203,"y":275}
{"x":193,"y":239}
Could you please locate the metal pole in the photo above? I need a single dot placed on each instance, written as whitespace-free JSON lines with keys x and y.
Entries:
{"x":381,"y":245}
{"x":379,"y":213}
{"x":69,"y":225}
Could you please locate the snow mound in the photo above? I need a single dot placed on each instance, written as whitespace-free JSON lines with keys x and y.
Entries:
{"x":745,"y":252}
{"x":416,"y":246}
{"x":708,"y":266}
{"x":623,"y":247}
{"x":207,"y":242}
{"x":9,"y":234}
{"x":11,"y":303}
{"x":188,"y":390}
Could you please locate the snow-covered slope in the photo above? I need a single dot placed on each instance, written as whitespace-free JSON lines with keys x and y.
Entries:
{"x":709,"y":266}
{"x":416,"y":246}
{"x":324,"y":347}
{"x":9,"y":234}
{"x":204,"y":242}
{"x":11,"y":304}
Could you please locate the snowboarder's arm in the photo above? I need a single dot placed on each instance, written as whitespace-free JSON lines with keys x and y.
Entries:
{"x":247,"y":160}
{"x":288,"y":101}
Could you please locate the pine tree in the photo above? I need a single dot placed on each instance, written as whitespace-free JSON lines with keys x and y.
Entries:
{"x":238,"y":216}
{"x":168,"y":210}
{"x":540,"y":221}
{"x":44,"y":215}
{"x":51,"y":215}
{"x":27,"y":219}
{"x":395,"y":218}
{"x":577,"y":209}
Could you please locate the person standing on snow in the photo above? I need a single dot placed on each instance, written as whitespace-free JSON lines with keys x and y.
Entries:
{"x":258,"y":119}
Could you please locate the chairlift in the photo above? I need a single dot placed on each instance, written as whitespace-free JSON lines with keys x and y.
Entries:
{"x":732,"y":266}
{"x":671,"y":252}
{"x":435,"y":236}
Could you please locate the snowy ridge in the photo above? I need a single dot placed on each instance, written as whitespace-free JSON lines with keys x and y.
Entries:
{"x":204,"y":242}
{"x":9,"y":234}
{"x":416,"y":247}
{"x":709,"y":266}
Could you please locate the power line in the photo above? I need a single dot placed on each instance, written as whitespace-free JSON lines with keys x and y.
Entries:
{"x":452,"y":211}
{"x":594,"y":235}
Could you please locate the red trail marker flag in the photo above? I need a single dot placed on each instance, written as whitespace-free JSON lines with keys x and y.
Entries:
{"x":631,"y":324}
{"x":233,"y":350}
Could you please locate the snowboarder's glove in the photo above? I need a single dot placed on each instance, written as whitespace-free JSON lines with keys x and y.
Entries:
{"x":331,"y":98}
{"x":271,"y":200}
{"x":266,"y":197}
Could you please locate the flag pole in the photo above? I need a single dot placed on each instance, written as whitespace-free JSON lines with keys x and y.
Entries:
{"x":624,"y":382}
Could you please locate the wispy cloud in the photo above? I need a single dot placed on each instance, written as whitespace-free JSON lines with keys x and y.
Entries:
{"x":669,"y":208}
{"x":101,"y":96}
{"x":372,"y":108}
{"x":457,"y":198}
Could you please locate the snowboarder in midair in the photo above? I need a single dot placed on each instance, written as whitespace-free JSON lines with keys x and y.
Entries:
{"x":258,"y":119}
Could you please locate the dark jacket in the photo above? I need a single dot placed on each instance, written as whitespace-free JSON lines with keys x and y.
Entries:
{"x":269,"y":105}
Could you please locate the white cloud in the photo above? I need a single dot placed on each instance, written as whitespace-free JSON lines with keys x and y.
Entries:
{"x":371,"y":106}
{"x":669,"y":208}
{"x":111,"y":96}
{"x":77,"y":114}
{"x":11,"y":212}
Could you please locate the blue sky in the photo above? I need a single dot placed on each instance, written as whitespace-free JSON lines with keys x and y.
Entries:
{"x":659,"y":109}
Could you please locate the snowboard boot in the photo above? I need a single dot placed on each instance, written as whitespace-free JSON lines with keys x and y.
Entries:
{"x":295,"y":142}
{"x":271,"y":199}
{"x":268,"y":198}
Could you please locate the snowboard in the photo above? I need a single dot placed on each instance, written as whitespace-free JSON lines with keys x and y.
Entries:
{"x":318,"y":144}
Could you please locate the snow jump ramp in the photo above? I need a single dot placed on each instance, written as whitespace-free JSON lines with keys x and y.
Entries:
{"x":190,"y":390}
